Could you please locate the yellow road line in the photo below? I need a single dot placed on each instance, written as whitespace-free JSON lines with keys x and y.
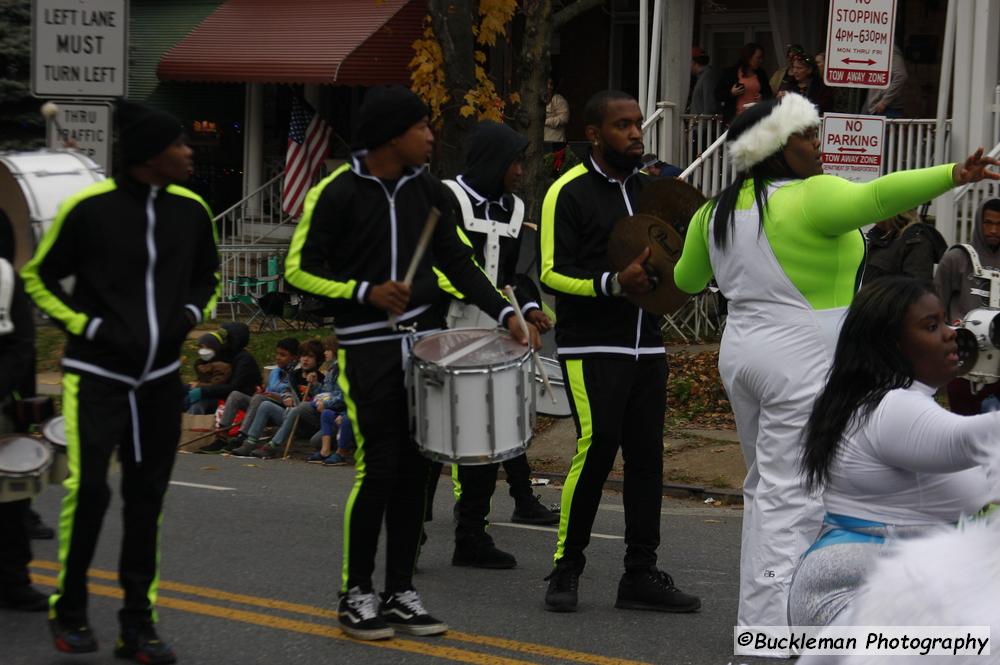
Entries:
{"x":305,"y":627}
{"x":320,"y":612}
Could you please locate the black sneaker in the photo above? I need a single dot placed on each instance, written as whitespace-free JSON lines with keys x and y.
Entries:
{"x":245,"y":450}
{"x":404,"y":612}
{"x":531,"y":511}
{"x":480,"y":552}
{"x":73,"y":636}
{"x":235,"y":442}
{"x":142,"y":644}
{"x":654,"y":590}
{"x":358,"y":614}
{"x":24,"y":599}
{"x":561,"y":596}
{"x":217,"y":446}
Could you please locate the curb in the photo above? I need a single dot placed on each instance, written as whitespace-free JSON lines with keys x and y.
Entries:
{"x":725,"y":497}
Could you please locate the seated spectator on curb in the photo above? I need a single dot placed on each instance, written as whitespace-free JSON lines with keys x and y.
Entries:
{"x":209,"y":369}
{"x":285,"y":357}
{"x":244,"y":376}
{"x":301,"y":416}
{"x":334,"y":423}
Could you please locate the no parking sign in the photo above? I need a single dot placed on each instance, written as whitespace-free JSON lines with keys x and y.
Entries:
{"x":852,"y":146}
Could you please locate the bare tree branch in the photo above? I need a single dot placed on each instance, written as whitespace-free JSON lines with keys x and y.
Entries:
{"x":570,"y":12}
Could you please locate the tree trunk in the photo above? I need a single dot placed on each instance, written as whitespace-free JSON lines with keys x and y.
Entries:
{"x":453,"y":23}
{"x":533,"y":68}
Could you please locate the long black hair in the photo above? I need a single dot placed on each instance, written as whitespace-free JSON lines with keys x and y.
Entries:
{"x":774,"y":167}
{"x":867,"y":364}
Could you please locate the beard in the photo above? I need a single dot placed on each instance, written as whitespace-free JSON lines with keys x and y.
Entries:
{"x":621,"y":161}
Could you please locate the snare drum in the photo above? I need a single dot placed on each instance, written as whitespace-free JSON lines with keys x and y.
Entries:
{"x":23,"y":463}
{"x":543,"y":401}
{"x":471,"y":396}
{"x":54,"y":431}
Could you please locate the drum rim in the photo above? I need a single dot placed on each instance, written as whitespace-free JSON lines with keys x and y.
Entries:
{"x":515,"y":363}
{"x":479,"y":460}
{"x":525,"y":355}
{"x":45,"y":430}
{"x":37,"y":471}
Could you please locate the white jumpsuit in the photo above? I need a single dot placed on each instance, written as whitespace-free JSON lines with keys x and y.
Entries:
{"x":775,"y":354}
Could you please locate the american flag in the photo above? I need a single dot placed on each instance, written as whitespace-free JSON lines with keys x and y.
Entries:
{"x":308,"y":136}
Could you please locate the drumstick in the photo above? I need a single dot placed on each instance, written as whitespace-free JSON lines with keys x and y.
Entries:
{"x":539,"y":367}
{"x":418,"y":253}
{"x":425,"y":239}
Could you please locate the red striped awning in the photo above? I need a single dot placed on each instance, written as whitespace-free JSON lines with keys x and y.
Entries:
{"x":347,"y":42}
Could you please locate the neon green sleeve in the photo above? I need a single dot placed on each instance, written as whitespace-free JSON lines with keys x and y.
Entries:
{"x":833,"y":206}
{"x":694,"y":268}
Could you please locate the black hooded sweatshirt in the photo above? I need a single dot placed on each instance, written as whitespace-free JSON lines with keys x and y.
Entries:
{"x":493,"y":147}
{"x":246,"y":372}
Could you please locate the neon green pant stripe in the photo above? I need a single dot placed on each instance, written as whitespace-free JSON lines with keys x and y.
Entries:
{"x":456,"y":484}
{"x":574,"y":371}
{"x":154,"y":586}
{"x":70,"y":409}
{"x":359,"y":461}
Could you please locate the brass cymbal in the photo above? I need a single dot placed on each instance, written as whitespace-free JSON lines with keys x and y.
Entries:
{"x":629,"y":237}
{"x":672,"y":200}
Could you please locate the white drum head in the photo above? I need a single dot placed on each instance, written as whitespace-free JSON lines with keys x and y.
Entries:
{"x":23,"y":456}
{"x":469,"y":348}
{"x":54,"y":431}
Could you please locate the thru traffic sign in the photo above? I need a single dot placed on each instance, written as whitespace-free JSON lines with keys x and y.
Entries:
{"x":859,"y":43}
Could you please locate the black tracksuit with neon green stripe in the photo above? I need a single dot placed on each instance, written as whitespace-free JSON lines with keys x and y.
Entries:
{"x":356,"y":232}
{"x":613,"y":359}
{"x":145,"y":264}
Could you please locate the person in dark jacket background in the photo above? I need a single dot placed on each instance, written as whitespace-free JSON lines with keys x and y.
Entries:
{"x":17,"y":367}
{"x":143,"y":253}
{"x":903,"y":245}
{"x":744,"y":83}
{"x":961,"y":291}
{"x":490,"y":211}
{"x":245,"y":375}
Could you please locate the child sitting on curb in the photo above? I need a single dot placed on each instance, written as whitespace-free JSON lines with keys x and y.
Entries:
{"x":333,"y":419}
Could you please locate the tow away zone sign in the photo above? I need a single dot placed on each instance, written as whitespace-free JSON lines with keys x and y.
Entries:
{"x":859,"y":43}
{"x":852,"y":146}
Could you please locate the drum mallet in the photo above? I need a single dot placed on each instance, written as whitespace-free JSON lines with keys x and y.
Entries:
{"x":418,"y":253}
{"x":50,"y":111}
{"x":539,"y":367}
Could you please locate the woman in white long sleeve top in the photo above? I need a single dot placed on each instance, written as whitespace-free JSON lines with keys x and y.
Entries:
{"x":890,"y":460}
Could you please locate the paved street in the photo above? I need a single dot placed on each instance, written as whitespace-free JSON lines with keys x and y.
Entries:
{"x":251,"y":565}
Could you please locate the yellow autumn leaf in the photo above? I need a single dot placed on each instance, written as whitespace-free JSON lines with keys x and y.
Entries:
{"x":466,"y":110}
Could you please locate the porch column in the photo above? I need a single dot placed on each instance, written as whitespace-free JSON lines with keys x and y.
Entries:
{"x":253,"y":144}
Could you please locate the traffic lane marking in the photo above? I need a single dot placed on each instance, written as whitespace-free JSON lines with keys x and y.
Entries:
{"x":328,"y":631}
{"x":217,"y":488}
{"x":535,"y":527}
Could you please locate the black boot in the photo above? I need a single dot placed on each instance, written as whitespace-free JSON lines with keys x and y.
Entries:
{"x":654,"y":590}
{"x":73,"y":636}
{"x":564,"y":581}
{"x":529,"y":510}
{"x":478,"y":551}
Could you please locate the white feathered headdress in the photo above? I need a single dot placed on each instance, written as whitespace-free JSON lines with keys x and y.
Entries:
{"x":756,"y":143}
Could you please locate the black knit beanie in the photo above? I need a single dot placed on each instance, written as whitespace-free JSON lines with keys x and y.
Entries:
{"x":387,"y":112}
{"x":144,"y":132}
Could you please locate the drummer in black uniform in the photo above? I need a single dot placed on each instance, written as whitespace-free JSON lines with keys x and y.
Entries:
{"x":612,"y":357}
{"x":492,"y":217}
{"x":358,"y":232}
{"x":17,"y":355}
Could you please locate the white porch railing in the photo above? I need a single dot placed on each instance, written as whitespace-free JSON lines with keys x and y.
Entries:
{"x":256,"y":218}
{"x":909,"y":144}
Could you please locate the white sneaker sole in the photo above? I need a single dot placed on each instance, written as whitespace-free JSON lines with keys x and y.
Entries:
{"x":421,"y":631}
{"x":368,"y":634}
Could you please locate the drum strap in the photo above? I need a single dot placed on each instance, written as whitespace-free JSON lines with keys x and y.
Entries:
{"x":6,"y":296}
